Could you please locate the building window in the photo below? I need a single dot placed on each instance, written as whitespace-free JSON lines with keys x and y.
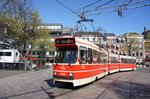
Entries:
{"x":141,"y":54}
{"x":93,"y":39}
{"x":99,"y":39}
{"x":137,"y":53}
{"x":132,"y":54}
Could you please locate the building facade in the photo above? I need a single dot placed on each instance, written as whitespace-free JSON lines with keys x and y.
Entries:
{"x":110,"y":42}
{"x":137,"y":46}
{"x":146,"y":34}
{"x":94,"y":37}
{"x":7,"y":41}
{"x":56,"y":30}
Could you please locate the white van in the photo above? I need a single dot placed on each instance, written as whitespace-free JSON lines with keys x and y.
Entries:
{"x":9,"y":55}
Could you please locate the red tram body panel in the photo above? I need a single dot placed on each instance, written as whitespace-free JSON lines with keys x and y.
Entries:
{"x":80,"y":62}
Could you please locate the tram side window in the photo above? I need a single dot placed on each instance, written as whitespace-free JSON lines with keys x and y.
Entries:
{"x":98,"y":58}
{"x":127,"y":61}
{"x":123,"y":60}
{"x":95,"y":56}
{"x":133,"y":61}
{"x":105,"y":58}
{"x":90,"y":58}
{"x":113,"y":60}
{"x":102,"y":58}
{"x":83,"y":55}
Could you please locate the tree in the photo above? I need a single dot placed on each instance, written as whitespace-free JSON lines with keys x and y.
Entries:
{"x":147,"y":42}
{"x":131,"y":43}
{"x":148,"y":36}
{"x":3,"y":4}
{"x":22,"y":20}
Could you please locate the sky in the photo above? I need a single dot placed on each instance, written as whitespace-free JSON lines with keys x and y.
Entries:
{"x":132,"y":20}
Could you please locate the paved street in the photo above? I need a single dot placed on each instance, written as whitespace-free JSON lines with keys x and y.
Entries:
{"x":38,"y":85}
{"x":6,"y":73}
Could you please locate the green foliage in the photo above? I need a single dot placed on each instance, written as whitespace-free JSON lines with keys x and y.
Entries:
{"x":132,"y":33}
{"x":22,"y":21}
{"x":42,"y":40}
{"x":148,"y":36}
{"x":131,"y":43}
{"x":147,"y":45}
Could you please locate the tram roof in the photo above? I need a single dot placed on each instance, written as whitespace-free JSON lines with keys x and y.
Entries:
{"x":129,"y":57}
{"x":86,"y":43}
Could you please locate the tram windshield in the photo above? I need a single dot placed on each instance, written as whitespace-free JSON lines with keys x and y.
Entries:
{"x":66,"y":56}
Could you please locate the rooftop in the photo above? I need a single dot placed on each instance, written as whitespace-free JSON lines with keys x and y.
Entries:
{"x":88,"y":33}
{"x":109,"y":34}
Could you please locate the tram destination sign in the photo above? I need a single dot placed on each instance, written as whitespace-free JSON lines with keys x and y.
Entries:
{"x":65,"y":41}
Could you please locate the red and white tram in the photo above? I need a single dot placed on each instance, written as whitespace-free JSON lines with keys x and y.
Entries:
{"x":80,"y":62}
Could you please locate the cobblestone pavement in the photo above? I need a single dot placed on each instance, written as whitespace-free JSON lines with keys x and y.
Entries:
{"x":38,"y":85}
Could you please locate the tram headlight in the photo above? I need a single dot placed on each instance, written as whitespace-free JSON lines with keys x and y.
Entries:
{"x":71,"y":74}
{"x":55,"y":73}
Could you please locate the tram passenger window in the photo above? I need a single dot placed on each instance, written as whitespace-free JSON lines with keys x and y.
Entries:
{"x":112,"y":59}
{"x":103,"y":58}
{"x":90,"y":58}
{"x":127,"y":61}
{"x":132,"y":60}
{"x":94,"y":56}
{"x":98,"y":58}
{"x":83,"y":56}
{"x":123,"y":60}
{"x":116,"y":60}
